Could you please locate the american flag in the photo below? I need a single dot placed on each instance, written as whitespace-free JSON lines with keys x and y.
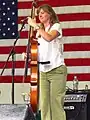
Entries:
{"x":8,"y":19}
{"x":75,"y":21}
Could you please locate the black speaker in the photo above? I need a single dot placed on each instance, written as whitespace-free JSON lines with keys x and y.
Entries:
{"x":29,"y":115}
{"x":77,"y":106}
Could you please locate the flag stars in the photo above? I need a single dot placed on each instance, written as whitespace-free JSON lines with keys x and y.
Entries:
{"x":13,"y":23}
{"x":8,"y":29}
{"x":3,"y":3}
{"x":4,"y":24}
{"x":4,"y":34}
{"x":8,"y":8}
{"x":13,"y":33}
{"x":8,"y":19}
{"x":4,"y":14}
{"x":13,"y":3}
{"x":13,"y":13}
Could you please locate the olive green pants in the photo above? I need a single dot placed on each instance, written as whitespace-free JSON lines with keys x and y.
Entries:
{"x":52,"y":92}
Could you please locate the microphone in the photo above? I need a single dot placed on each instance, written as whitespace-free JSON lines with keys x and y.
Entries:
{"x":24,"y":20}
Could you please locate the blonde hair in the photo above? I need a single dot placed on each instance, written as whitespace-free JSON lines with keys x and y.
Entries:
{"x":47,"y":8}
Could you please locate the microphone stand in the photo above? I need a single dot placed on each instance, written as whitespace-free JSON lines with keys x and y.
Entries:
{"x":12,"y":53}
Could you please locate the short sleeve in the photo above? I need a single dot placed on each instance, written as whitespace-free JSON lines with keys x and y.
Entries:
{"x":57,"y":27}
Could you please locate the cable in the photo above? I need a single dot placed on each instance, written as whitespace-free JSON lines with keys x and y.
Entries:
{"x":69,"y":89}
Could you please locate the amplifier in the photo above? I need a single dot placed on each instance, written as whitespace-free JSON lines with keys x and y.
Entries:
{"x":75,"y":98}
{"x":77,"y":106}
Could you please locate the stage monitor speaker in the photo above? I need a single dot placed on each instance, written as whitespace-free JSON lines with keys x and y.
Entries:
{"x":77,"y":106}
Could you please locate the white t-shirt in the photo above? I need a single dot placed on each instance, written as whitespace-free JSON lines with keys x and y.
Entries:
{"x":51,"y":51}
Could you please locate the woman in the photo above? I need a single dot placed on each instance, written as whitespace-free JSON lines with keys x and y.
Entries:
{"x":52,"y":75}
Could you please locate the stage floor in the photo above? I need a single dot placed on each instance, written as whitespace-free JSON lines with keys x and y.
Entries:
{"x":12,"y":112}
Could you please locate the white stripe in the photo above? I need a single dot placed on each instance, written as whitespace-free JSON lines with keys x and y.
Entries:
{"x":27,"y":0}
{"x":18,"y":57}
{"x":76,"y":24}
{"x":26,"y":28}
{"x":68,"y":24}
{"x":60,"y":10}
{"x":72,"y":9}
{"x":24,"y":12}
{"x":24,"y":0}
{"x":70,"y":39}
{"x":79,"y":69}
{"x":6,"y":90}
{"x":77,"y":54}
{"x":10,"y":42}
{"x":6,"y":93}
{"x":76,"y":39}
{"x":18,"y":71}
{"x":67,"y":55}
{"x":81,"y":84}
{"x":73,"y":69}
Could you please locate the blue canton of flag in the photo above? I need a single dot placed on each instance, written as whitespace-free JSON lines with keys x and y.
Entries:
{"x":8,"y":19}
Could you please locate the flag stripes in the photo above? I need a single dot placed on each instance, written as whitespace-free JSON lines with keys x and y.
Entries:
{"x":56,"y":3}
{"x":75,"y":21}
{"x":67,"y":47}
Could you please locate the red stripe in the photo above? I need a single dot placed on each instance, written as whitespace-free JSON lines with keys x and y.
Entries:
{"x":69,"y":62}
{"x":21,"y":18}
{"x":78,"y":62}
{"x":27,"y":5}
{"x":19,"y":79}
{"x":76,"y":31}
{"x":77,"y":47}
{"x":81,"y":77}
{"x":18,"y":49}
{"x":67,"y":47}
{"x":18,"y":64}
{"x":74,"y":16}
{"x":66,"y":32}
{"x":67,"y":17}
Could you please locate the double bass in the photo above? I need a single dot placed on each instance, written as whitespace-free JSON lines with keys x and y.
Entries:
{"x":34,"y":70}
{"x":32,"y":57}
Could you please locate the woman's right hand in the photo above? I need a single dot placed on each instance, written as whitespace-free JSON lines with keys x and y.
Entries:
{"x":24,"y":56}
{"x":32,"y":22}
